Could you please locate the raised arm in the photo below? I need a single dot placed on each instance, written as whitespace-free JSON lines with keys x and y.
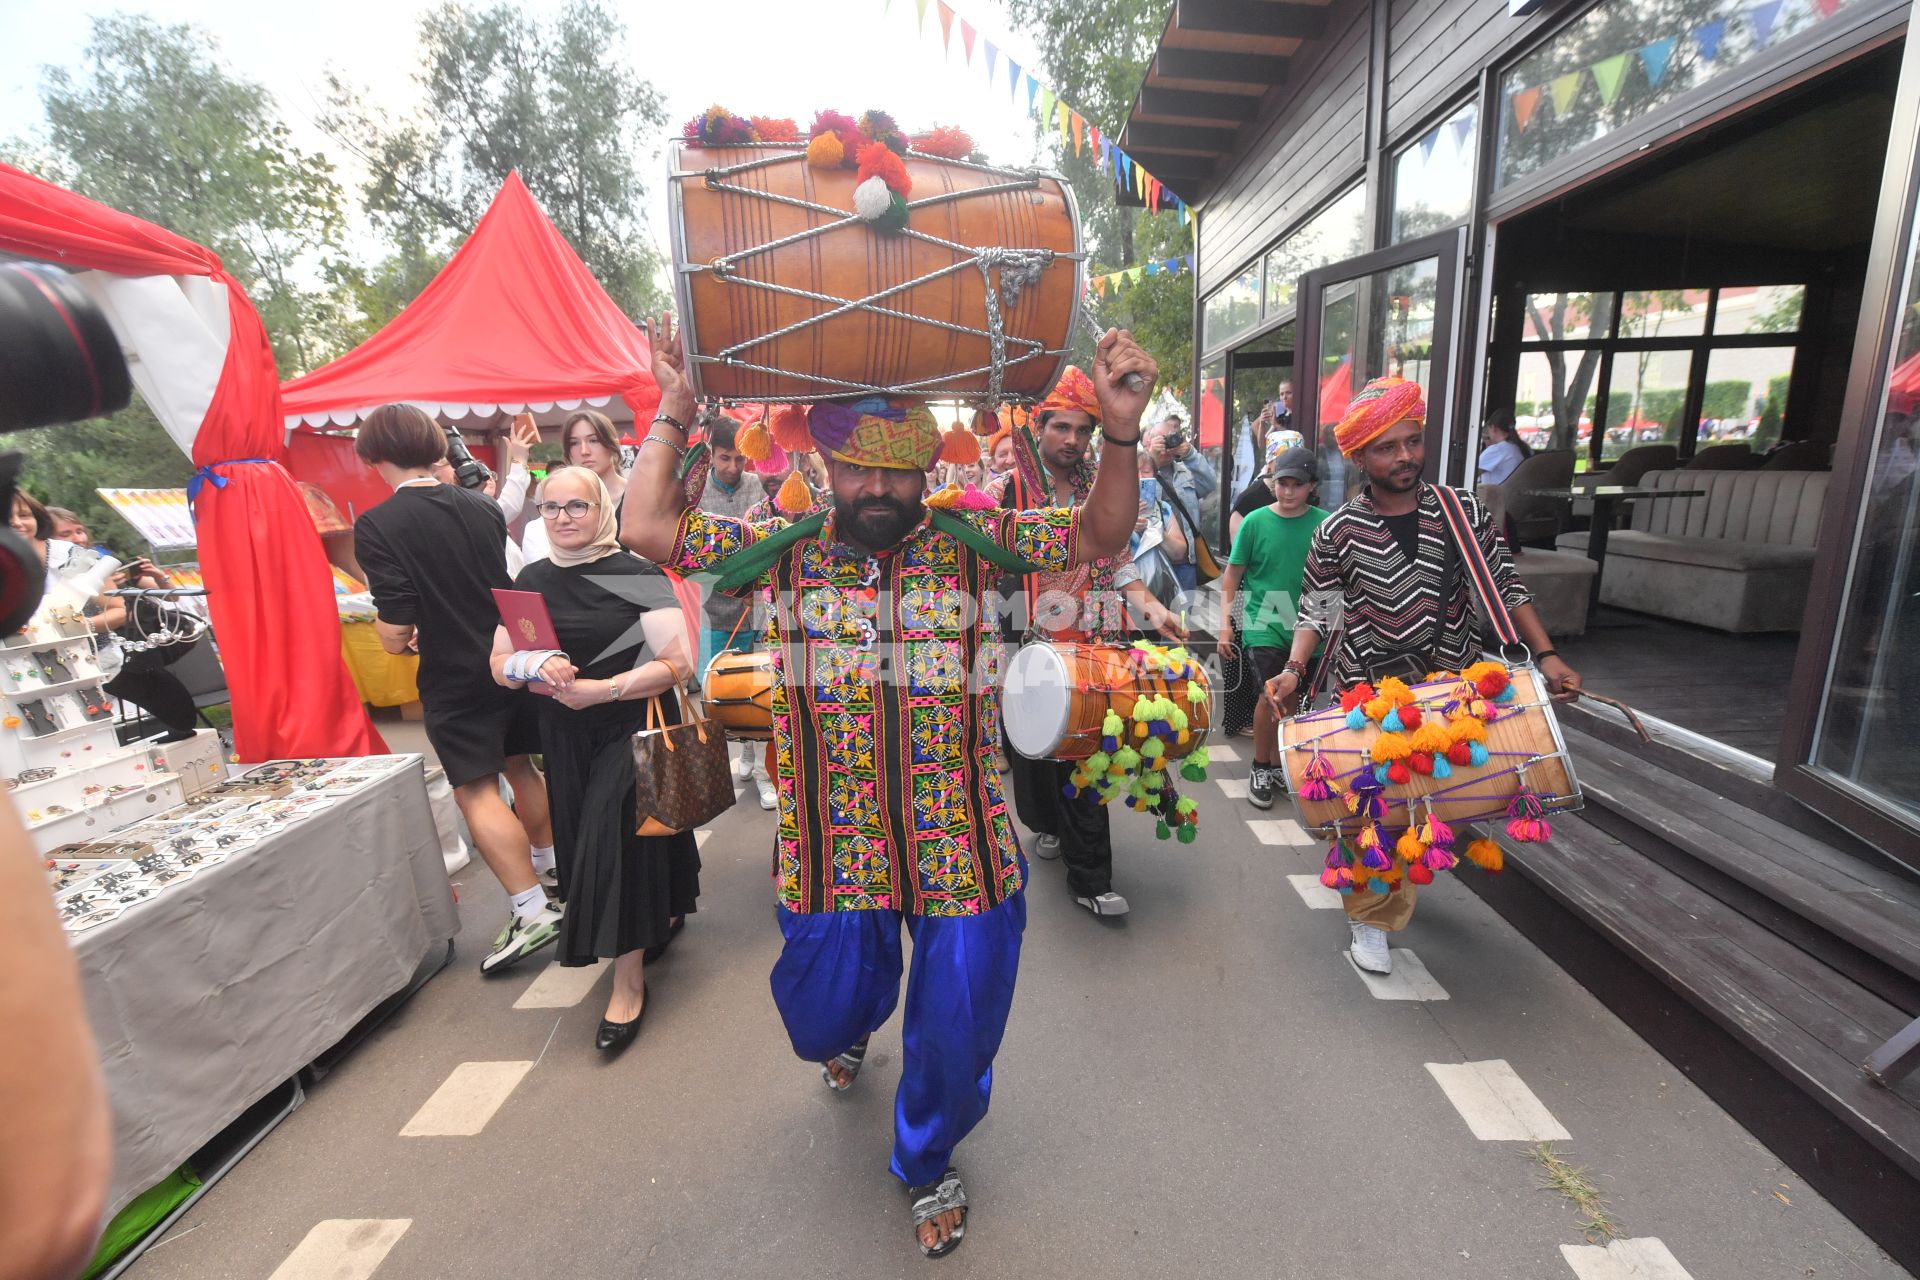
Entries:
{"x":650,"y":516}
{"x":1113,"y":504}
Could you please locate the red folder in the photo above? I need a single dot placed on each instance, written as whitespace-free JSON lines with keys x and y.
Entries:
{"x":528,"y":624}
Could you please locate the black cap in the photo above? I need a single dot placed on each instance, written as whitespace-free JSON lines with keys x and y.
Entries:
{"x":1296,"y":464}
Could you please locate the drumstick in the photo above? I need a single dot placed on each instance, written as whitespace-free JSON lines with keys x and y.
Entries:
{"x":1134,"y":382}
{"x":1622,"y":708}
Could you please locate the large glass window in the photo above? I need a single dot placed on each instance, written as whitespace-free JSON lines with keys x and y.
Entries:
{"x":1646,"y":399}
{"x":1866,"y":735}
{"x":1335,"y":233}
{"x":1370,"y":326}
{"x":1231,"y":310}
{"x":1737,"y":344}
{"x":1622,"y":59}
{"x":1433,"y":176}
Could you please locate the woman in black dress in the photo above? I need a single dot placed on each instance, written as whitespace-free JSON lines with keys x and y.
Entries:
{"x":624,"y":638}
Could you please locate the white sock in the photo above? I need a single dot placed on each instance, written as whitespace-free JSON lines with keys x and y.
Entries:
{"x":529,"y":903}
{"x":543,"y":857}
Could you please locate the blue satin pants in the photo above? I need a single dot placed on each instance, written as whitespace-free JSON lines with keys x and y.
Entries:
{"x":838,"y":979}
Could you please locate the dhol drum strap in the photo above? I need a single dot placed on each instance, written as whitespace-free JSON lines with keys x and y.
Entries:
{"x":1478,"y":570}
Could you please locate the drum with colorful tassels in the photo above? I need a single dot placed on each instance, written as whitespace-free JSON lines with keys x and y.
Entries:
{"x":1389,"y":772}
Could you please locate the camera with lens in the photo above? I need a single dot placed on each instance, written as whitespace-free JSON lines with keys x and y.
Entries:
{"x":468,"y":471}
{"x":59,"y":362}
{"x":1175,"y":439}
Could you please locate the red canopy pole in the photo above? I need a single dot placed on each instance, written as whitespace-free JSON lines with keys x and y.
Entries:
{"x":269,"y":589}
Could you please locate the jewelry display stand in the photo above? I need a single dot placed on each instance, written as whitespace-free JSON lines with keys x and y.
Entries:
{"x":68,"y":775}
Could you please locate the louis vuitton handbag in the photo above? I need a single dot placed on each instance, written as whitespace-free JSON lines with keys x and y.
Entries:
{"x":681,"y":775}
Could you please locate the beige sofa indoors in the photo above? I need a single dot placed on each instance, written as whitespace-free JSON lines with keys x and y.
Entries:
{"x":1739,"y":559}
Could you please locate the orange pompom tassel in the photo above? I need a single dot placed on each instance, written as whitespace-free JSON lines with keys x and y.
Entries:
{"x":1389,"y":747}
{"x":1409,"y":847}
{"x":1377,"y":708}
{"x":789,"y":426}
{"x":878,"y":160}
{"x":825,"y":152}
{"x":1466,"y":729}
{"x":794,"y":496}
{"x":1395,"y":691}
{"x":753,"y":442}
{"x":775,"y":129}
{"x":1486,"y":855}
{"x":1432,"y":737}
{"x":959,"y":447}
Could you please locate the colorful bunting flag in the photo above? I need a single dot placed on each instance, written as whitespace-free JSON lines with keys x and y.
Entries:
{"x":1525,"y":103}
{"x":946,"y":24}
{"x":1764,"y":16}
{"x":1656,"y":57}
{"x":1033,"y":87}
{"x":1707,"y":36}
{"x":1046,"y":106}
{"x":993,"y":61}
{"x":1013,"y":80}
{"x":967,"y":34}
{"x":1565,"y":89}
{"x":1608,"y":74}
{"x":922,"y":6}
{"x":1462,"y":131}
{"x":1079,"y":131}
{"x":1063,"y":116}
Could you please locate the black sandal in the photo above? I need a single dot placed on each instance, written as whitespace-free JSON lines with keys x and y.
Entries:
{"x":930,"y":1202}
{"x":849,"y":1062}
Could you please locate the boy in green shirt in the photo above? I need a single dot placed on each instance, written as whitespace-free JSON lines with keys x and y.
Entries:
{"x":1269,"y":558}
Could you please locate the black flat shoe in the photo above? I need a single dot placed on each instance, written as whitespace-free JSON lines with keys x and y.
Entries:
{"x":615,"y":1036}
{"x":655,"y":952}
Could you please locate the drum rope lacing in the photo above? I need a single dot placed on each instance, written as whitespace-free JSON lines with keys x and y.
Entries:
{"x":1019,"y":269}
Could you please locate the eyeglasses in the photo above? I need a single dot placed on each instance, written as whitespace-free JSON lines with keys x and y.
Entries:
{"x":578,"y":509}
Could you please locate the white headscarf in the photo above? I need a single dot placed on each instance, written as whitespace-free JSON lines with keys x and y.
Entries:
{"x":606,"y":531}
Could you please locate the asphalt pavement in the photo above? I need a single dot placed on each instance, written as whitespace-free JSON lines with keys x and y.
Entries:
{"x":1203,"y":1088}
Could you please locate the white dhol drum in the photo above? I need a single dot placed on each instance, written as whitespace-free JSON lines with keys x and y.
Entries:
{"x":1056,"y":695}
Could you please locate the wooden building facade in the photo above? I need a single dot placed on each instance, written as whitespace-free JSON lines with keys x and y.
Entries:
{"x":1675,"y":239}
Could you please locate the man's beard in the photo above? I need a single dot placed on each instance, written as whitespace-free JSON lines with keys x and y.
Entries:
{"x":877,"y":523}
{"x":1398,"y":480}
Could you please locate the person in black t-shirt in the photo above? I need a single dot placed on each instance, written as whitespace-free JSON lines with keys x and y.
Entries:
{"x":432,"y":555}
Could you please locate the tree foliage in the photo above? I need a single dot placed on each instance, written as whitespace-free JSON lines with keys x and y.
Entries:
{"x":130,"y":450}
{"x":155,"y":125}
{"x":555,"y":100}
{"x":1095,"y":57}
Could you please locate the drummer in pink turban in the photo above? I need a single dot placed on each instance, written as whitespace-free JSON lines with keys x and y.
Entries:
{"x":1379,"y":565}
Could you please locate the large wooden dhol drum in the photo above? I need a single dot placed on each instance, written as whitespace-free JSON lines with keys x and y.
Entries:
{"x":1523,"y":749}
{"x":738,"y":693}
{"x":1056,"y":696}
{"x":785,"y":295}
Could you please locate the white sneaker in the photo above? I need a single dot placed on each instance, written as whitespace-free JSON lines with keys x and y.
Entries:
{"x":769,"y":796}
{"x":743,"y":766}
{"x":1047,"y":847}
{"x":1105,"y":904}
{"x":1370,"y":948}
{"x":549,"y":879}
{"x":522,"y":937}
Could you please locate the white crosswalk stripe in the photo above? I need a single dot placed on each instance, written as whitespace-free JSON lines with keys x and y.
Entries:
{"x":1315,"y":894}
{"x":1236,"y":788}
{"x":1278,"y":831}
{"x":466,"y":1100}
{"x":560,"y":987}
{"x":342,"y":1249}
{"x":1643,"y":1258}
{"x":1496,"y":1103}
{"x":1408,"y":981}
{"x":1223,"y":752}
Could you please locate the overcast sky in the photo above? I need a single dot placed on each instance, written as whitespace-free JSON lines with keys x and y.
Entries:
{"x":757,"y":57}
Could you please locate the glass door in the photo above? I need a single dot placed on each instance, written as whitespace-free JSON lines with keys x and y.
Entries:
{"x":1259,"y":403}
{"x":1389,"y":312}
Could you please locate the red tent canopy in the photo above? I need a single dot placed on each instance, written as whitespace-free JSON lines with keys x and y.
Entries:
{"x":269,"y":589}
{"x":514,"y":321}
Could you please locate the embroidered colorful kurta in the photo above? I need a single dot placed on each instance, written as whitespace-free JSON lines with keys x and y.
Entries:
{"x":883,"y":673}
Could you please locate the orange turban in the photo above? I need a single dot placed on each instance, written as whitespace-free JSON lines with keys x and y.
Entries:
{"x":1378,"y":405}
{"x":1074,"y":392}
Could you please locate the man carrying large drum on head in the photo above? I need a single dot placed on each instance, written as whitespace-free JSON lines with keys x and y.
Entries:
{"x":890,"y":808}
{"x":1384,"y":578}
